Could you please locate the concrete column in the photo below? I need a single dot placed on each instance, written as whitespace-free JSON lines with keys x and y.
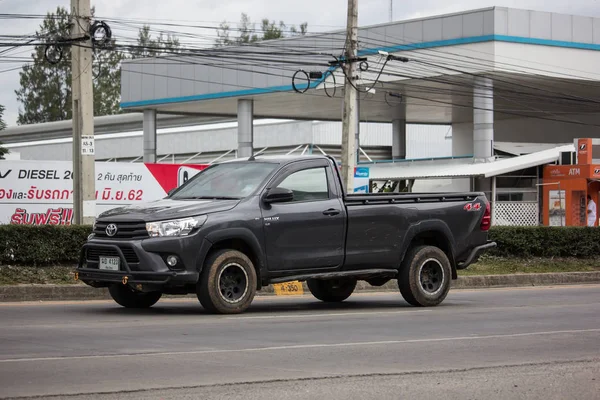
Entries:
{"x":149,"y":124}
{"x":493,"y":200}
{"x":462,"y":139}
{"x":483,"y":120}
{"x":399,"y":139}
{"x":245,"y":128}
{"x":357,"y":132}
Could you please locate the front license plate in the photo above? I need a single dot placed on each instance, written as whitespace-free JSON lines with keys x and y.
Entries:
{"x":109,"y":263}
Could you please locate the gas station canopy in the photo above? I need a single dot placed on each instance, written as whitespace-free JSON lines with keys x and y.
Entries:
{"x":536,"y":61}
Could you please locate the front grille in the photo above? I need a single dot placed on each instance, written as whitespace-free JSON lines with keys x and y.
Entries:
{"x":94,"y":253}
{"x":125,"y":230}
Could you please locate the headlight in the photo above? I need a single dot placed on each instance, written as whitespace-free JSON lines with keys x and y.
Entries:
{"x":176,"y":227}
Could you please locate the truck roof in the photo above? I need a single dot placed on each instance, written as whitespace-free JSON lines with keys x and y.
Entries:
{"x":279,"y":159}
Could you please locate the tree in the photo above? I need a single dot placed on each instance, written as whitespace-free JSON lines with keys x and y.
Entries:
{"x":303,"y":29}
{"x":148,"y":47}
{"x":3,"y":150}
{"x":45,"y":92}
{"x":247,"y":34}
{"x":271,"y":31}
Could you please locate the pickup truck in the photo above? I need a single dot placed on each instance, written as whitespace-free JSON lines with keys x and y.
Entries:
{"x":241,"y":225}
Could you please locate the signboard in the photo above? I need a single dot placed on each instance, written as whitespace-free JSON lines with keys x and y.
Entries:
{"x":39,"y":193}
{"x":87,"y":146}
{"x":361,"y":180}
{"x":584,"y":151}
{"x":293,"y":288}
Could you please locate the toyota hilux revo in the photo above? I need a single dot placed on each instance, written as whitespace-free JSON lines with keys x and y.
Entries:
{"x":240,"y":225}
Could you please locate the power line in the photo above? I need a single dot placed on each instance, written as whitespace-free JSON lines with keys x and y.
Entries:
{"x":242,"y":55}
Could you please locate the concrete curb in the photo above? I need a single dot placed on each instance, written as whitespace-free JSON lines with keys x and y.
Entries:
{"x":80,"y":291}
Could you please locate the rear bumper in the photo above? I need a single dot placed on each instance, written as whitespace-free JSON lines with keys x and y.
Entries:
{"x":474,"y":255}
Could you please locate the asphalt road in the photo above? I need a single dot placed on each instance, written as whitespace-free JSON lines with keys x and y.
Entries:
{"x":502,"y":343}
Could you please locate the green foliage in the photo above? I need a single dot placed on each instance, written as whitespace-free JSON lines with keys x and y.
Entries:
{"x":579,"y":242}
{"x":3,"y":150}
{"x":60,"y":245}
{"x":2,"y":123}
{"x":25,"y":275}
{"x":45,"y":92}
{"x":247,"y":34}
{"x":148,"y":47}
{"x":41,"y":245}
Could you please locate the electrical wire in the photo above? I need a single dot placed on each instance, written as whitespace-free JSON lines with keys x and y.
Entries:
{"x":249,"y":57}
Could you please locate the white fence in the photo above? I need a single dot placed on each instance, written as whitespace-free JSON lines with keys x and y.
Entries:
{"x":516,"y":213}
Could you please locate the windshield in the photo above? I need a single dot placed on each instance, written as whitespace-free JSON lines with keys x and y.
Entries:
{"x":226,"y":181}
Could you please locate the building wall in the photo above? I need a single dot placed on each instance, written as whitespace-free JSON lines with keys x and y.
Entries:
{"x":462,"y":139}
{"x":546,"y":25}
{"x":423,"y":141}
{"x":529,"y":130}
{"x":544,"y":131}
{"x":547,"y":61}
{"x":185,"y":77}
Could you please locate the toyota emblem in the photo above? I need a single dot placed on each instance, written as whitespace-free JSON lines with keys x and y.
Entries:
{"x":111,"y":230}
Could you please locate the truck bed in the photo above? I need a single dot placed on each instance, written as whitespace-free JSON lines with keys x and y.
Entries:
{"x":374,"y":198}
{"x":381,"y":226}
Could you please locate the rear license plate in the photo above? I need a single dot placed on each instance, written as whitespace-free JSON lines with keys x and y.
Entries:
{"x":109,"y":263}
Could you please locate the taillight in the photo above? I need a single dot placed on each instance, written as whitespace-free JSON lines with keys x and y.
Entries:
{"x":486,"y":222}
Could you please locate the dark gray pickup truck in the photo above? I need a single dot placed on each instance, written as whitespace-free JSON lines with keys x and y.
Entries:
{"x":240,"y":225}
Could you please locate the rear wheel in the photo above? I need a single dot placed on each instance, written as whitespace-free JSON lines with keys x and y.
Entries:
{"x":425,"y":275}
{"x":129,"y":298}
{"x":333,"y":290}
{"x":228,"y":283}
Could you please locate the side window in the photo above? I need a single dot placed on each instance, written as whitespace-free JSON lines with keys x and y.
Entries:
{"x":308,"y":184}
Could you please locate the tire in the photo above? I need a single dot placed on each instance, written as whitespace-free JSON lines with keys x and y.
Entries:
{"x":128,"y":298}
{"x":331,"y":291}
{"x":236,"y":272}
{"x":433,"y":265}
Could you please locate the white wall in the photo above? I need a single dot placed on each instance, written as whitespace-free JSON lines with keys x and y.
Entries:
{"x":423,"y":141}
{"x":549,"y":61}
{"x":441,"y":185}
{"x":428,"y":141}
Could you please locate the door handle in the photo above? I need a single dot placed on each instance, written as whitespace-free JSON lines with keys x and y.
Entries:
{"x":331,"y":211}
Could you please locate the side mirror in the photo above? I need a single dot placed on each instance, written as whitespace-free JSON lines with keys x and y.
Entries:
{"x":278,"y":195}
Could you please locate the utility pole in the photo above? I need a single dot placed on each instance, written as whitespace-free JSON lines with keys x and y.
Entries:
{"x":84,"y":182}
{"x":350,"y":116}
{"x":391,"y":10}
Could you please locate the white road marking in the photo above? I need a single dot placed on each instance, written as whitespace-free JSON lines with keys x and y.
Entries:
{"x":301,"y":346}
{"x":321,"y":315}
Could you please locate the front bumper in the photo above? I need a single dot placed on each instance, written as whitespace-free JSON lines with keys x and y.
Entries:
{"x":474,"y":255}
{"x":142,"y":262}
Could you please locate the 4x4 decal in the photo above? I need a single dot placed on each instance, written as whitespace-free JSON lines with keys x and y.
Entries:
{"x":472,"y":207}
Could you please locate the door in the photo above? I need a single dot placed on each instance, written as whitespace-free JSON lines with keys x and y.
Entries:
{"x":309,"y":231}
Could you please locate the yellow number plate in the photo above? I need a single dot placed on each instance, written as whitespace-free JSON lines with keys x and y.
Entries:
{"x":288,"y":288}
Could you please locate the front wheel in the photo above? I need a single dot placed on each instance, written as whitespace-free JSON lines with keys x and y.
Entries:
{"x":424,"y":279}
{"x":128,"y":298}
{"x":228,"y":283}
{"x":334,"y":290}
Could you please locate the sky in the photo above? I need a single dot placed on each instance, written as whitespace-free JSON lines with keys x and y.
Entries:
{"x":211,"y":12}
